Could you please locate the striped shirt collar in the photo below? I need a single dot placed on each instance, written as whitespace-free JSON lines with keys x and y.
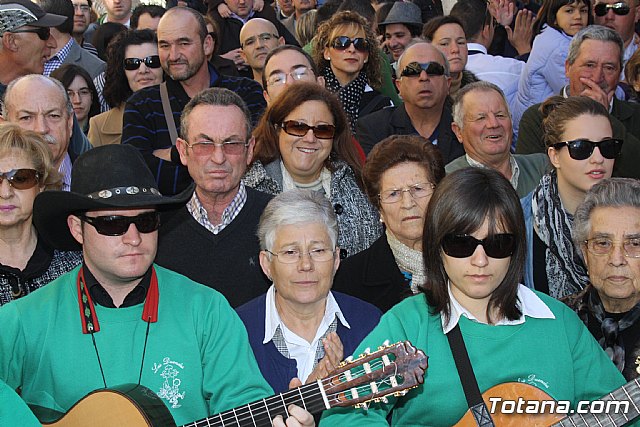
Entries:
{"x":199,"y":213}
{"x":65,"y":171}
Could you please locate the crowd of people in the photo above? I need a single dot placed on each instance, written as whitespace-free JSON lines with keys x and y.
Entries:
{"x":215,"y":201}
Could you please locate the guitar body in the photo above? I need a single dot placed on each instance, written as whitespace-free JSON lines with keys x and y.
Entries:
{"x":512,"y":391}
{"x":128,"y":405}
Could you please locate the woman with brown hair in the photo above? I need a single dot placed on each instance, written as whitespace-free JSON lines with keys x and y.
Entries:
{"x":348,"y":56}
{"x":303,"y":141}
{"x":400,"y":175}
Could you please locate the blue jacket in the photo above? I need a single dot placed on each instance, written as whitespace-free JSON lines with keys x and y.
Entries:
{"x":277,"y":369}
{"x":543,"y":74}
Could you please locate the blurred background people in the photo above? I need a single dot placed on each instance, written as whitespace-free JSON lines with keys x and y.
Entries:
{"x":82,"y":92}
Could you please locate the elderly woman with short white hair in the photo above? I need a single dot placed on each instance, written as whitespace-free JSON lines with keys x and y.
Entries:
{"x":300,"y":328}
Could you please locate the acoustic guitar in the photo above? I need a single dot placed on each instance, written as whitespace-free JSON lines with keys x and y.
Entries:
{"x":626,"y":397}
{"x":392,"y":369}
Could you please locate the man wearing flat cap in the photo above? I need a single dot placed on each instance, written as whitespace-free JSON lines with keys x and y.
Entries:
{"x":401,"y":25}
{"x":118,"y":318}
{"x":26,"y":39}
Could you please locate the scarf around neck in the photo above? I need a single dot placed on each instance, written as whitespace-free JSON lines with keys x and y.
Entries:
{"x":349,"y":95}
{"x":408,"y":260}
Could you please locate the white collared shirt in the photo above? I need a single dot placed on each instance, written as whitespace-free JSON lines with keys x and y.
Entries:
{"x":530,"y":305}
{"x":515,"y":169}
{"x":301,"y":350}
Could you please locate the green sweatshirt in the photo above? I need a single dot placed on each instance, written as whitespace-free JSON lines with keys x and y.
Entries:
{"x":198,"y":358}
{"x":13,"y":411}
{"x":557,"y":355}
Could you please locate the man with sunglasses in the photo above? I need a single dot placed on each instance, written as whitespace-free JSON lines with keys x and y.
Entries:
{"x":68,"y":50}
{"x":593,"y":67}
{"x":118,"y":317}
{"x":26,"y":39}
{"x":423,"y":84}
{"x":621,"y":16}
{"x":258,"y":37}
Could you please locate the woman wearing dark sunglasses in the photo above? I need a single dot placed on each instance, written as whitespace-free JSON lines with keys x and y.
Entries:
{"x":133,"y":63}
{"x":474,"y":250}
{"x":348,"y":56}
{"x":26,"y":169}
{"x":578,"y":136}
{"x":303,"y":141}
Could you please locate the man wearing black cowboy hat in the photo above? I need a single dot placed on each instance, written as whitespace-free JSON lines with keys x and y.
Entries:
{"x":118,"y":318}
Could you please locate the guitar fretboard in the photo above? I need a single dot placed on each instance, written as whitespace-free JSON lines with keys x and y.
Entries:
{"x":261,"y":412}
{"x":630,"y":393}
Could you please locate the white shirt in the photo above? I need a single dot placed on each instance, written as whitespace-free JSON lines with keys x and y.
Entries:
{"x":301,"y":350}
{"x":65,"y":171}
{"x":530,"y":305}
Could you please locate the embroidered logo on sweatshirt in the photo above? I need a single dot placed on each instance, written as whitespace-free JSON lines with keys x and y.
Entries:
{"x":170,"y":390}
{"x":534,"y":381}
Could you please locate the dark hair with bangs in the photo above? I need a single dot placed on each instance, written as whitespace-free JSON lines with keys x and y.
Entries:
{"x":460,"y":204}
{"x":549,"y":9}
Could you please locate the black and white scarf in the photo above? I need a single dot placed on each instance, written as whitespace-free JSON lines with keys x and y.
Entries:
{"x":566,"y":272}
{"x":349,"y":95}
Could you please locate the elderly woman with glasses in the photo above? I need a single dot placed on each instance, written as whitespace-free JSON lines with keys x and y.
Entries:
{"x":400,"y":175}
{"x":303,"y":141}
{"x":26,"y":261}
{"x":582,"y":151}
{"x":474,"y":249}
{"x":348,"y":55}
{"x":300,"y":328}
{"x":606,"y":228}
{"x":133,"y":63}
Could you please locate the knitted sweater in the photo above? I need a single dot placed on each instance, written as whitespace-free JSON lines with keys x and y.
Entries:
{"x":144,"y":125}
{"x":227,"y":261}
{"x":358,"y":221}
{"x":197,"y":360}
{"x":279,"y":370}
{"x":557,"y":355}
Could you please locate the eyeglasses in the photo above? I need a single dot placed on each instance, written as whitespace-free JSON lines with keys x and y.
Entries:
{"x":343,"y":42}
{"x":280,"y":78}
{"x":82,"y":7}
{"x":206,"y":148}
{"x":581,"y":149}
{"x":604,"y":246}
{"x":463,"y":246}
{"x":21,"y":179}
{"x":117,"y":225}
{"x":414,"y":69}
{"x":264,"y":37}
{"x":43,"y":32}
{"x":295,"y":128}
{"x":151,"y":61}
{"x":291,"y":256}
{"x":417,"y":191}
{"x":619,"y":8}
{"x":85,"y":92}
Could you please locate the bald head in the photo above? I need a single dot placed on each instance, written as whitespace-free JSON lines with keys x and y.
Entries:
{"x":258,"y":37}
{"x":418,"y":51}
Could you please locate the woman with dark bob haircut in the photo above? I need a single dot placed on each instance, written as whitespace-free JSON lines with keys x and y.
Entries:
{"x":474,"y":250}
{"x":82,"y":92}
{"x":303,"y":141}
{"x":400,"y":175}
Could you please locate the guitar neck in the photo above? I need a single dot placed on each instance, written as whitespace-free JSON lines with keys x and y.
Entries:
{"x":618,"y":408}
{"x":260,"y":413}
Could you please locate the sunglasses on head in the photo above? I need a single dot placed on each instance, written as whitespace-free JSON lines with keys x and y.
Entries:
{"x":581,"y":149}
{"x":619,"y":8}
{"x":295,"y":128}
{"x":414,"y":69}
{"x":117,"y":225}
{"x":463,"y":246}
{"x":21,"y":179}
{"x":43,"y":32}
{"x":151,"y":61}
{"x":343,"y":42}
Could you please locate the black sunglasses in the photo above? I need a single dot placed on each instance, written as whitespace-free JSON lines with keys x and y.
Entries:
{"x":152,"y":61}
{"x":117,"y":225}
{"x":295,"y":128}
{"x":463,"y":246}
{"x":414,"y":69}
{"x":43,"y":32}
{"x":619,"y":8}
{"x":581,"y":149}
{"x":21,"y":179}
{"x":343,"y":42}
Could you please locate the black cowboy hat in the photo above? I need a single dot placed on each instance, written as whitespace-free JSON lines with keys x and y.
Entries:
{"x":107,"y":177}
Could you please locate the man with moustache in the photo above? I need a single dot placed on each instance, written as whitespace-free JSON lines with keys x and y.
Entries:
{"x":423,"y":83}
{"x":183,"y":43}
{"x":593,"y":67}
{"x":258,"y":37}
